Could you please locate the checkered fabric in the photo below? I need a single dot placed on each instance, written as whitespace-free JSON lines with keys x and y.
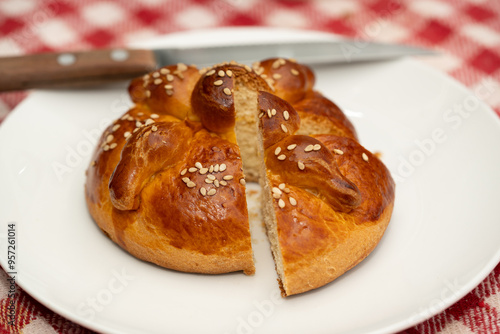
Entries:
{"x":467,"y":33}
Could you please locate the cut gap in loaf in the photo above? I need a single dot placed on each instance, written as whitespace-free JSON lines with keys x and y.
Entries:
{"x":250,"y":141}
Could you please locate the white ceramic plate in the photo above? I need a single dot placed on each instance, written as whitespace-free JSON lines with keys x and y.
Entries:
{"x":438,"y":140}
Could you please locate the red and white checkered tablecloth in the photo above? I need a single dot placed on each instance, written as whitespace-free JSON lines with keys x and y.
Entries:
{"x":467,"y":32}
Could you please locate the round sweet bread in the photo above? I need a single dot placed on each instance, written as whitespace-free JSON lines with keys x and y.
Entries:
{"x":167,"y":179}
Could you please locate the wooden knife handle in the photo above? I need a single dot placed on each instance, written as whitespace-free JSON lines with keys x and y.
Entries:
{"x":73,"y":69}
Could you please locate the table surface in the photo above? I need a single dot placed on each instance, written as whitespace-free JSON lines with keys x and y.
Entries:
{"x":467,"y":33}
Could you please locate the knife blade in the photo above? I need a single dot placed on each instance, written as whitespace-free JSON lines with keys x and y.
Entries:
{"x":85,"y":68}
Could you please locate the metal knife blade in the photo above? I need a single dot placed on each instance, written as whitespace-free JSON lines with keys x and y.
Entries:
{"x":76,"y":69}
{"x":307,"y":52}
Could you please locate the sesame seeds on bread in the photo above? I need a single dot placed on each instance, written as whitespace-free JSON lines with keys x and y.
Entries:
{"x":167,"y":179}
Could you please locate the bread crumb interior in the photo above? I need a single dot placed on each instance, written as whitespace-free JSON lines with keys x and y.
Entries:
{"x":250,"y":141}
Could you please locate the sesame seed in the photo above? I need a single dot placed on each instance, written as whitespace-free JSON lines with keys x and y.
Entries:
{"x":229,"y":73}
{"x":281,"y":203}
{"x":135,"y":130}
{"x":203,"y":191}
{"x":282,"y":186}
{"x":115,"y":127}
{"x":138,"y":124}
{"x":154,"y":116}
{"x":293,"y":201}
{"x":145,"y":77}
{"x":337,"y":151}
{"x":140,"y":114}
{"x":169,"y":92}
{"x":207,"y":180}
{"x":221,"y":73}
{"x":181,"y":67}
{"x":248,"y":68}
{"x":112,"y":146}
{"x":276,"y":76}
{"x":127,"y":134}
{"x":227,"y":91}
{"x":276,"y":190}
{"x":203,"y":171}
{"x":193,"y":169}
{"x":291,"y":147}
{"x":286,"y":115}
{"x":222,"y":167}
{"x":301,"y":165}
{"x":170,"y":77}
{"x":156,"y":75}
{"x":243,"y":182}
{"x":228,"y":177}
{"x":276,"y":64}
{"x":154,"y":128}
{"x":216,"y":168}
{"x":365,"y":157}
{"x":191,"y":184}
{"x":277,"y":150}
{"x":164,"y":71}
{"x":317,"y":147}
{"x":105,"y":148}
{"x":209,"y":73}
{"x":148,"y":93}
{"x":222,"y":182}
{"x":211,"y":177}
{"x":211,"y":169}
{"x":275,"y":195}
{"x":269,"y":114}
{"x":261,"y":115}
{"x":294,"y":71}
{"x":149,"y":121}
{"x":286,"y":190}
{"x":184,"y":171}
{"x":186,"y":179}
{"x":282,"y":157}
{"x":216,"y":183}
{"x":109,"y":138}
{"x":169,"y":87}
{"x":211,"y":192}
{"x":284,"y":128}
{"x":93,"y":163}
{"x":198,"y":165}
{"x":273,"y":112}
{"x":157,"y":81}
{"x":309,"y":148}
{"x":282,"y":61}
{"x":130,"y":118}
{"x":124,"y":117}
{"x":218,"y":82}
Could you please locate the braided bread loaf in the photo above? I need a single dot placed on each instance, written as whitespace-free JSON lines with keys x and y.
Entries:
{"x":167,"y":180}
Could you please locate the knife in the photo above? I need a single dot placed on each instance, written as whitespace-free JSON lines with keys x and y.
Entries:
{"x":85,"y":68}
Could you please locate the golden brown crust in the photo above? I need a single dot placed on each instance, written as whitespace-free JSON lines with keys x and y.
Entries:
{"x":320,"y":242}
{"x":166,"y":180}
{"x":278,"y":119}
{"x":290,"y":80}
{"x":159,"y":185}
{"x":167,"y":90}
{"x":175,"y":225}
{"x":213,"y":96}
{"x":319,"y":115}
